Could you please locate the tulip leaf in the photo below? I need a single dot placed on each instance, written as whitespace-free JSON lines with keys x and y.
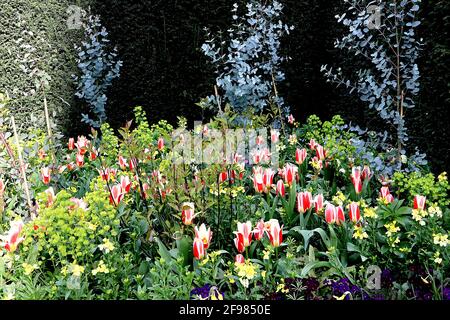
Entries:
{"x":314,"y":265}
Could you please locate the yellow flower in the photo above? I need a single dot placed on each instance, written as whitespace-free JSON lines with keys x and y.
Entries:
{"x":370,"y":213}
{"x":246,"y":270}
{"x":28,"y":268}
{"x":282,"y":288}
{"x":266,"y":255}
{"x":442,"y":177}
{"x":391,"y":228}
{"x":359,"y":233}
{"x":76,"y":270}
{"x":437,"y":258}
{"x":107,"y":246}
{"x":101,"y":268}
{"x":263,"y":274}
{"x":339,"y":198}
{"x":293,"y":139}
{"x":435,"y":210}
{"x":343,"y":296}
{"x":441,"y":239}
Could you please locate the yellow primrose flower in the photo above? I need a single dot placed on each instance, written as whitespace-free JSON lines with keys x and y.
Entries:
{"x":359,"y":233}
{"x":107,"y":246}
{"x":28,"y":268}
{"x":266,"y":255}
{"x":280,"y":147}
{"x":76,"y":270}
{"x":339,"y":198}
{"x":370,"y":213}
{"x":101,"y":268}
{"x":441,"y":239}
{"x":442,"y":177}
{"x":437,"y":258}
{"x":246,"y":270}
{"x":391,"y":228}
{"x":293,"y":139}
{"x":263,"y":274}
{"x":435,"y":210}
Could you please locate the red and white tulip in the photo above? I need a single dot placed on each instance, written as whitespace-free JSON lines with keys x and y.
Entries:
{"x":12,"y":239}
{"x":304,"y":201}
{"x":46,"y":175}
{"x":355,"y":212}
{"x":187,"y":213}
{"x":419,"y":202}
{"x":300,"y":156}
{"x":198,"y":249}
{"x":204,"y":234}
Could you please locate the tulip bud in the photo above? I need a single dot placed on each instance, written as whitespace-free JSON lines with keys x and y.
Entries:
{"x":198,"y":249}
{"x":280,"y":188}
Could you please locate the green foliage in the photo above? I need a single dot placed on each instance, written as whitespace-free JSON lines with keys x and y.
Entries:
{"x":37,"y":53}
{"x":435,"y":189}
{"x":75,"y":236}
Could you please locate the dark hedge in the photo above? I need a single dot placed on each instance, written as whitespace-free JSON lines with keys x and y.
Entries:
{"x":165,"y":71}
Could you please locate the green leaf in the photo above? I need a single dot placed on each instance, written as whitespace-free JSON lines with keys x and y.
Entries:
{"x":314,"y":265}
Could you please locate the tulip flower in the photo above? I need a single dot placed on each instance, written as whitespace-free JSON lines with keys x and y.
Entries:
{"x":274,"y":136}
{"x":259,"y":140}
{"x":419,"y":202}
{"x":239,"y":259}
{"x":45,"y":172}
{"x":93,"y":155}
{"x":160,"y":144}
{"x":330,"y":214}
{"x":204,"y":234}
{"x":340,"y":218}
{"x":82,"y":145}
{"x":312,"y":144}
{"x":243,"y":236}
{"x":50,"y":196}
{"x":198,"y":249}
{"x":366,"y":173}
{"x":320,"y":152}
{"x":80,"y":160}
{"x":78,"y":203}
{"x":132,"y":164}
{"x":116,"y":194}
{"x":319,"y":203}
{"x":223,"y":176}
{"x":356,"y":179}
{"x":70,"y":166}
{"x":71,"y":144}
{"x":122,"y":163}
{"x":386,"y":195}
{"x":268,"y":178}
{"x":355,"y":213}
{"x":289,"y":173}
{"x":334,"y":214}
{"x":300,"y":156}
{"x":2,"y":188}
{"x":258,"y":233}
{"x":125,"y":183}
{"x":104,"y":173}
{"x":275,"y":233}
{"x":304,"y":201}
{"x":280,"y":188}
{"x":291,"y":119}
{"x":187,"y":213}
{"x":11,"y":240}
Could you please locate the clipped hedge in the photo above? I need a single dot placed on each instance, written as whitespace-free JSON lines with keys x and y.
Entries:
{"x":37,"y":45}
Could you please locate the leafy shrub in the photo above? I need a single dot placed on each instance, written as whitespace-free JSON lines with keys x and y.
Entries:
{"x":37,"y":54}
